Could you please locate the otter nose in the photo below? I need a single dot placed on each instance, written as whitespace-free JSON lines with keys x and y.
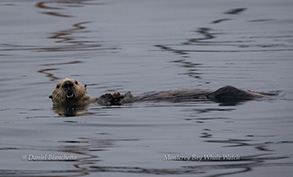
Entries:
{"x":67,"y":84}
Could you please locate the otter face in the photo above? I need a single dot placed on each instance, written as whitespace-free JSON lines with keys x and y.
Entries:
{"x":69,"y":91}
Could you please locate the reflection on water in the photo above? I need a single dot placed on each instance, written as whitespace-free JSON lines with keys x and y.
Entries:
{"x":245,"y":164}
{"x":48,"y":74}
{"x":193,"y":70}
{"x":220,"y":20}
{"x":51,"y":75}
{"x":69,"y":39}
{"x":71,"y":110}
{"x":206,"y":32}
{"x":81,"y":152}
{"x":210,"y":35}
{"x":49,"y":5}
{"x":65,"y":63}
{"x":62,"y":36}
{"x":67,"y":36}
{"x":235,"y":11}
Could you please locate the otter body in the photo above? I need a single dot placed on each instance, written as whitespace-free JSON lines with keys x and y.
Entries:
{"x":227,"y":94}
{"x":72,"y":92}
{"x":70,"y":96}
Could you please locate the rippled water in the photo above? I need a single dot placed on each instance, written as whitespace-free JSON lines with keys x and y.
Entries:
{"x":143,"y":46}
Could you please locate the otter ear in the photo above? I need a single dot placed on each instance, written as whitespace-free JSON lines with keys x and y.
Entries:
{"x":51,"y":96}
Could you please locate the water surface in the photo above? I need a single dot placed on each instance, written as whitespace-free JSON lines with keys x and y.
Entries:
{"x":142,"y":46}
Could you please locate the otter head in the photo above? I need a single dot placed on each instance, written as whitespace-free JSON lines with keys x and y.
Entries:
{"x":69,"y":91}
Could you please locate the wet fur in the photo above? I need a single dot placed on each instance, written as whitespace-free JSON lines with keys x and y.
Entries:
{"x":81,"y":97}
{"x":228,"y":95}
{"x":70,"y":96}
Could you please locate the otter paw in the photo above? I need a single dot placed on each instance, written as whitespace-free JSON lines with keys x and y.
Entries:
{"x":106,"y":99}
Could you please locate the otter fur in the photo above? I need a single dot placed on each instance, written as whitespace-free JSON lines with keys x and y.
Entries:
{"x":70,"y":92}
{"x":227,"y":95}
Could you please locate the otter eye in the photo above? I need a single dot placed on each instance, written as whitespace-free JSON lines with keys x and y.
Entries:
{"x":58,"y":86}
{"x":76,"y":82}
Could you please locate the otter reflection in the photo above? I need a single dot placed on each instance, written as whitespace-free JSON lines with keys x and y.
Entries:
{"x":73,"y":110}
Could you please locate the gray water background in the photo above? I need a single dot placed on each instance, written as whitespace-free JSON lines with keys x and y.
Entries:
{"x":142,"y":46}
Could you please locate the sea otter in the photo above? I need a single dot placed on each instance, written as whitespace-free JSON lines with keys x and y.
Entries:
{"x":70,"y":92}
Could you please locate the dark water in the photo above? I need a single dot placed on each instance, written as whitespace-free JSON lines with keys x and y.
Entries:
{"x":143,"y":46}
